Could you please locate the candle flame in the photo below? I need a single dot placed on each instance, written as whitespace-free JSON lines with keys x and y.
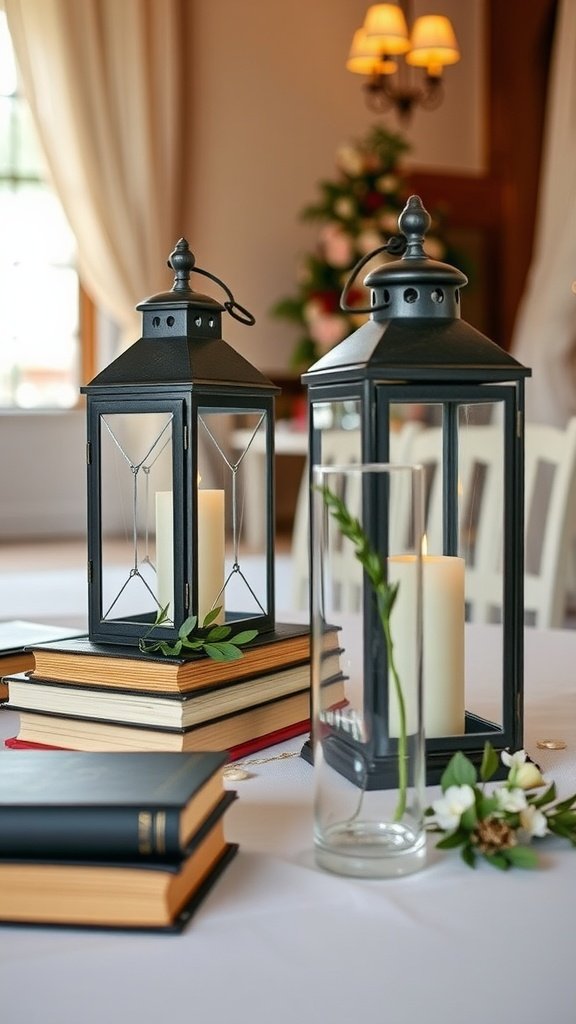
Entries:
{"x":424,"y":549}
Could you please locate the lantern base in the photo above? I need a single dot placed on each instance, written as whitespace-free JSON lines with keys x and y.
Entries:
{"x":381,"y":772}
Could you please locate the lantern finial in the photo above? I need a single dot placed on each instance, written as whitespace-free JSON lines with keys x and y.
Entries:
{"x":414,"y":222}
{"x":182,"y":261}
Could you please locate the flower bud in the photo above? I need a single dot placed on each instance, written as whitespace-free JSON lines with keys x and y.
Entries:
{"x":527,"y":776}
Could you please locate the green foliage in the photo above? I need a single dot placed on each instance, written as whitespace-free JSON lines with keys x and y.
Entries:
{"x":498,"y":825}
{"x":386,"y":594}
{"x":215,"y":642}
{"x":356,"y":212}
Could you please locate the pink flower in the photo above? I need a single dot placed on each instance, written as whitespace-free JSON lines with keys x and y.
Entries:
{"x":337,"y":246}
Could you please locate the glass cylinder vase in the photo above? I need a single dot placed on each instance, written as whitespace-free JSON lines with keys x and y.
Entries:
{"x":367,"y":704}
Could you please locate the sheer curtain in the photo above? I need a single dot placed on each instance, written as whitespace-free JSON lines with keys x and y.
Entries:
{"x":105,"y":80}
{"x":545,"y":331}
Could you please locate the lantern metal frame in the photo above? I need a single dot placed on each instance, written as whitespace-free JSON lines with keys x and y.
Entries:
{"x":181,"y":367}
{"x":416,"y":349}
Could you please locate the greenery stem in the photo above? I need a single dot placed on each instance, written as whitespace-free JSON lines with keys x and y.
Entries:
{"x":402,"y":740}
{"x":386,"y":594}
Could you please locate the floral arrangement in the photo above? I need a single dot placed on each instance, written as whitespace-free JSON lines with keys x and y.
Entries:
{"x":357,"y":212}
{"x":498,"y":825}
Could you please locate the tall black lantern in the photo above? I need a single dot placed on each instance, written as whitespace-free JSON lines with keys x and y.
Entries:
{"x":174,"y":424}
{"x":417,"y":384}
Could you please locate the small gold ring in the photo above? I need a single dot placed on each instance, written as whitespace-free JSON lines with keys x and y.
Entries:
{"x":551,"y":744}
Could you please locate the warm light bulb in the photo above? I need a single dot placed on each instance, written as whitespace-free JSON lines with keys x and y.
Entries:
{"x":365,"y":56}
{"x":433,"y":44}
{"x":386,"y":23}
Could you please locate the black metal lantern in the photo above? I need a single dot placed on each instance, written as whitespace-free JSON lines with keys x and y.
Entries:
{"x":417,"y":384}
{"x":166,"y":487}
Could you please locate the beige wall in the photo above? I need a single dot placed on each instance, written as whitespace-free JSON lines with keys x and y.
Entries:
{"x":270,"y":103}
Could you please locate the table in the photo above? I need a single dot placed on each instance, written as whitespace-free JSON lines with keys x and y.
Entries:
{"x":278,"y":941}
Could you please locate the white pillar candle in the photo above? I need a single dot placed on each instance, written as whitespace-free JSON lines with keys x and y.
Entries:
{"x":211,"y":551}
{"x":442,"y":642}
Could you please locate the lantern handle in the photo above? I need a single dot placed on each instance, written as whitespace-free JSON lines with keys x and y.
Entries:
{"x":395,"y":246}
{"x":243,"y":315}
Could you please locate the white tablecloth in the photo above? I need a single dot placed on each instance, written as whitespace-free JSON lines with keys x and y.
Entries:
{"x":279,"y":941}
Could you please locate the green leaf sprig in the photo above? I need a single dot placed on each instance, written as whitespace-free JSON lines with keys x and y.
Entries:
{"x":386,"y":594}
{"x":215,"y":642}
{"x":498,"y":825}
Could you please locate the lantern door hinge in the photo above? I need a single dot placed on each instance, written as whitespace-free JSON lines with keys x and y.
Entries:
{"x":90,"y":570}
{"x":519,"y":423}
{"x":185,"y":438}
{"x":88,"y":453}
{"x":187,"y":596}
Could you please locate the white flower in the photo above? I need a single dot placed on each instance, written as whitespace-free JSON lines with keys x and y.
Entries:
{"x":528,"y":776}
{"x":350,"y":160}
{"x":344,"y":207}
{"x":533,"y":821}
{"x":338,"y":248}
{"x":512,"y":800}
{"x":451,"y":806}
{"x":523,"y":773}
{"x":387,"y":183}
{"x":511,"y":760}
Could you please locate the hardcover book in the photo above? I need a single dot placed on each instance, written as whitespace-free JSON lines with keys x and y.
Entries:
{"x":223,"y":733}
{"x":241,"y":750}
{"x":112,"y":806}
{"x":18,"y":634}
{"x":140,"y":895}
{"x":128,"y":668}
{"x":145,"y":707}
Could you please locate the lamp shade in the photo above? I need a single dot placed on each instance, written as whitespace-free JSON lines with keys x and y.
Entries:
{"x":387,"y":24}
{"x":433,"y":43}
{"x":365,"y":56}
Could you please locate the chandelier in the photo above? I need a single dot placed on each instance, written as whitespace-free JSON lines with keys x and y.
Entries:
{"x":382,"y":39}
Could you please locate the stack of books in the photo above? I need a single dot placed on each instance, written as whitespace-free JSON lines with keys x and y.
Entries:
{"x":131,"y":841}
{"x":83,"y":696}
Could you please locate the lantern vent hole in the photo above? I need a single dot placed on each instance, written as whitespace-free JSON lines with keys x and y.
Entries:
{"x":437,"y":295}
{"x":198,"y":321}
{"x":156,"y":321}
{"x":410,"y":295}
{"x":170,"y":321}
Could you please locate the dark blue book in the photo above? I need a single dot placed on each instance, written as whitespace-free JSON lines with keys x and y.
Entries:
{"x":106,"y":806}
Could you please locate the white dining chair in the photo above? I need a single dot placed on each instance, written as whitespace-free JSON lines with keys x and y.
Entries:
{"x":550,"y":515}
{"x":339,"y":447}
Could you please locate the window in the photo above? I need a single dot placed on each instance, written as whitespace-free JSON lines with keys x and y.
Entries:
{"x":40,"y":362}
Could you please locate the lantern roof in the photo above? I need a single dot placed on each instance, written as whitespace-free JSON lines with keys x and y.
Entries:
{"x":415,"y":330}
{"x":181,"y":341}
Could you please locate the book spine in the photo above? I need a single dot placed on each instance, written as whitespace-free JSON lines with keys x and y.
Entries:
{"x":95,"y":833}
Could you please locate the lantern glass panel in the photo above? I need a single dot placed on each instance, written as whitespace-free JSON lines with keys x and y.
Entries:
{"x":136,"y":467}
{"x":337,"y":425}
{"x":237,"y":476}
{"x":464,"y":550}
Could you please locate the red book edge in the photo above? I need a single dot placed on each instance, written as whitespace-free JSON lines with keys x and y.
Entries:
{"x":269,"y":739}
